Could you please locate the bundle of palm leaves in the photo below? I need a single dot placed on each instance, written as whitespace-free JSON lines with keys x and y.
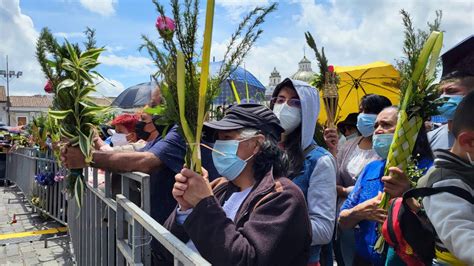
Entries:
{"x":184,"y":80}
{"x":70,"y":70}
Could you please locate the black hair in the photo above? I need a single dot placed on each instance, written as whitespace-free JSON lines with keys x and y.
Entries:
{"x":463,"y":118}
{"x":422,"y":149}
{"x":374,"y":103}
{"x":270,"y":155}
{"x":294,"y":152}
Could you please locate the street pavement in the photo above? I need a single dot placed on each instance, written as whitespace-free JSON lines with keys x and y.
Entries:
{"x":29,"y":250}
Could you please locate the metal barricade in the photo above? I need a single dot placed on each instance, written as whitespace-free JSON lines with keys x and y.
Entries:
{"x":93,"y":228}
{"x":21,"y":169}
{"x":103,"y":231}
{"x":130,"y":248}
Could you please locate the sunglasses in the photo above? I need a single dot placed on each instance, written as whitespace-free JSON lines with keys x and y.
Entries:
{"x":291,"y":102}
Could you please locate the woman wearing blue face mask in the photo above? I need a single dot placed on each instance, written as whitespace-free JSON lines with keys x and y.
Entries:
{"x":352,"y":157}
{"x":361,"y":206}
{"x":249,"y":216}
{"x":312,"y":168}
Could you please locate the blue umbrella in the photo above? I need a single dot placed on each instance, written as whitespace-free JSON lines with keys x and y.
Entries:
{"x":240,"y":77}
{"x":135,"y":96}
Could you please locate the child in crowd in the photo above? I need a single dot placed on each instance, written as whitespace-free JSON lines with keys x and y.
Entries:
{"x":452,"y":216}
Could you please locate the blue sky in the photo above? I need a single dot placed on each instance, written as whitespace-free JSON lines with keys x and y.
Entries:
{"x":353,"y":32}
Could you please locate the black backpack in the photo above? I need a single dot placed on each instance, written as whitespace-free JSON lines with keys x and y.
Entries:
{"x":410,"y":232}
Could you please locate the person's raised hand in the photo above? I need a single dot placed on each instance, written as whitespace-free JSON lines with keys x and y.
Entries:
{"x":179,"y":188}
{"x":332,"y":139}
{"x":369,"y":209}
{"x":396,"y":183}
{"x":198,"y":186}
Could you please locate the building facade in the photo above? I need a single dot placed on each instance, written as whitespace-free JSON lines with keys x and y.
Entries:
{"x":24,"y":108}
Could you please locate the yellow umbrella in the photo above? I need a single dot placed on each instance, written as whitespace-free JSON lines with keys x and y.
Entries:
{"x":356,"y":81}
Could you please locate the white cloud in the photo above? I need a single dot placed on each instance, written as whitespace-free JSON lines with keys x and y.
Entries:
{"x":235,"y":8}
{"x":68,"y":35}
{"x":353,"y":32}
{"x":263,"y":58}
{"x":108,"y":87}
{"x":101,"y":7}
{"x":18,"y":37}
{"x":358,"y":31}
{"x":133,"y":63}
{"x":113,"y":49}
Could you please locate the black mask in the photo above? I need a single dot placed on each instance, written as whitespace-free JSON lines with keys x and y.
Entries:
{"x":158,"y":127}
{"x":140,"y":130}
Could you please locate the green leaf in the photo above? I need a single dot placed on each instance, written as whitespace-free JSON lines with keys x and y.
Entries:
{"x":86,"y":90}
{"x":102,"y":77}
{"x":92,"y":53}
{"x":72,"y":53}
{"x":84,"y":143}
{"x":157,"y":110}
{"x":92,"y":110}
{"x":66,"y":84}
{"x":85,"y":76}
{"x":51,"y":63}
{"x":65,"y":133}
{"x":57,"y":114}
{"x":78,"y":191}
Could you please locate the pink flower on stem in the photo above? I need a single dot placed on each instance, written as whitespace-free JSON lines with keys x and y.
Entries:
{"x":331,"y":68}
{"x":48,"y":88}
{"x":165,"y":27}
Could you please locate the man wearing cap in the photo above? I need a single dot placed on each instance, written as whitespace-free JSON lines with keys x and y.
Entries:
{"x":457,"y":80}
{"x":249,"y":216}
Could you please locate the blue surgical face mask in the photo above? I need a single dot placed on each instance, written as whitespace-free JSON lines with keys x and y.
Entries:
{"x":365,"y":124}
{"x":448,"y":109}
{"x":381,"y":144}
{"x":226,"y":161}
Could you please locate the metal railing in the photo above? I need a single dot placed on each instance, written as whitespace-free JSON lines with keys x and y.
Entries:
{"x":97,"y":217}
{"x":129,"y":214}
{"x":21,"y":168}
{"x":103,"y":231}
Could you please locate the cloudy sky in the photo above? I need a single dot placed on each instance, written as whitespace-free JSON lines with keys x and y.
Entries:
{"x":353,"y":32}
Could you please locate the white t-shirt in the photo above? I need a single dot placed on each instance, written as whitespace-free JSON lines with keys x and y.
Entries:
{"x":359,"y":158}
{"x":231,"y":206}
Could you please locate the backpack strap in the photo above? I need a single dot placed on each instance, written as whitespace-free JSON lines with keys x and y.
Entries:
{"x":428,"y":191}
{"x":308,"y":149}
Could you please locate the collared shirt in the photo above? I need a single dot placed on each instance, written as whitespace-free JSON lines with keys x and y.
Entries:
{"x":367,"y":187}
{"x":171,"y":150}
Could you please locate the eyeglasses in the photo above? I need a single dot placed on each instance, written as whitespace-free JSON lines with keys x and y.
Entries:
{"x":291,"y":102}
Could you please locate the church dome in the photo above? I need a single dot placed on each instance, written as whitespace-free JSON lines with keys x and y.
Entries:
{"x":304,"y":73}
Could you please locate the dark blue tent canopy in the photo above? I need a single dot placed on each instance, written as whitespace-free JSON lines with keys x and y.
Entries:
{"x":240,"y":76}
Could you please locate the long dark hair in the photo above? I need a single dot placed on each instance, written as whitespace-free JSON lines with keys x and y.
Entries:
{"x":293,"y":152}
{"x":270,"y":156}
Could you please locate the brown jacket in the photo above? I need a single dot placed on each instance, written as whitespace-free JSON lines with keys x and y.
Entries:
{"x":271,"y":226}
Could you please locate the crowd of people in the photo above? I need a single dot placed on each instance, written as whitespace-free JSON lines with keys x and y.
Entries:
{"x":270,"y":195}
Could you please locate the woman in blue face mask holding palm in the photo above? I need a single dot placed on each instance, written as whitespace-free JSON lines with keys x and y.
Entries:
{"x":252,"y":215}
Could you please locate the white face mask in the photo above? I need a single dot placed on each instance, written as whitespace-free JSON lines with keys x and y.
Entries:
{"x":469,"y":157}
{"x":290,"y":117}
{"x":119,"y":139}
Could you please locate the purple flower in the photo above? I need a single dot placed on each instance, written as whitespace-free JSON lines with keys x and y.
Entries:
{"x":165,"y":27}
